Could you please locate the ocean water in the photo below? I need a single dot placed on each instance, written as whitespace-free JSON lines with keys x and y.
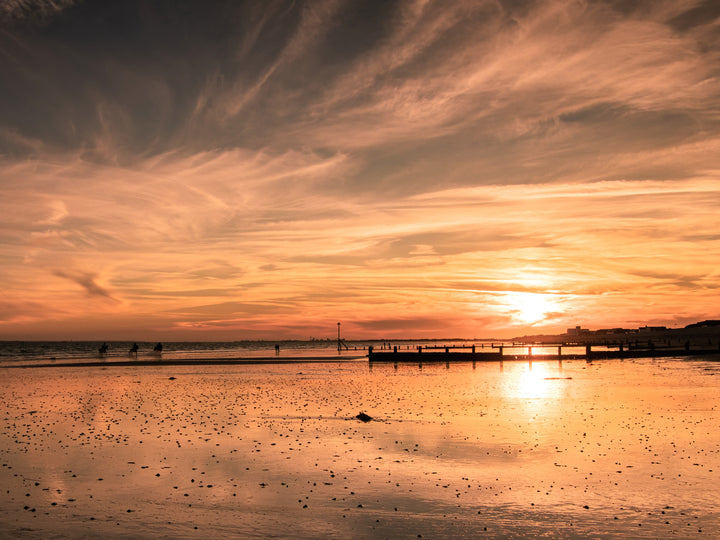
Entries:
{"x":34,"y":352}
{"x":560,"y":449}
{"x":43,"y":352}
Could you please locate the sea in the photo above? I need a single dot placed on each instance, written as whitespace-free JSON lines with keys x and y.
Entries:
{"x":68,"y":351}
{"x":47,"y":352}
{"x":34,"y":352}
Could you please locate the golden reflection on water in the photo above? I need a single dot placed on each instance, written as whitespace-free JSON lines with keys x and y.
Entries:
{"x":532,"y":383}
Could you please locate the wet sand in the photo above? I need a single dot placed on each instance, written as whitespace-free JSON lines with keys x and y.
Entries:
{"x":604,"y":449}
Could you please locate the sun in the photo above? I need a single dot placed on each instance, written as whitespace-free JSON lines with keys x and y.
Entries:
{"x":530,"y":308}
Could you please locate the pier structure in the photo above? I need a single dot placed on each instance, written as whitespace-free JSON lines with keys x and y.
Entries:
{"x":504,"y":352}
{"x":434,"y":354}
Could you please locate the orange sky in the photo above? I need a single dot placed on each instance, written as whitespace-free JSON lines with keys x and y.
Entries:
{"x":411,"y":169}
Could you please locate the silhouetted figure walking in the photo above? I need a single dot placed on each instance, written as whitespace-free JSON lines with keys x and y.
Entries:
{"x":134,"y":349}
{"x":158,"y":348}
{"x":103,"y":348}
{"x":277,"y":350}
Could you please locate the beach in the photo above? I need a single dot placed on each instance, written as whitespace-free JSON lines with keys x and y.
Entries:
{"x":499,"y":449}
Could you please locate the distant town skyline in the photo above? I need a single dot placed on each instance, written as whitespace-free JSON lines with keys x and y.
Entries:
{"x":419,"y":169}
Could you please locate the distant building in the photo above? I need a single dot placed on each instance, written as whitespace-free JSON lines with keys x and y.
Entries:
{"x":577,"y":331}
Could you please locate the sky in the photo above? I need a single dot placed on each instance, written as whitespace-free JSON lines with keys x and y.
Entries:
{"x":228,"y":170}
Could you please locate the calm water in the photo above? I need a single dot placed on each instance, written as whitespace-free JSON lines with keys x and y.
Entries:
{"x":611,"y":449}
{"x":39,"y":352}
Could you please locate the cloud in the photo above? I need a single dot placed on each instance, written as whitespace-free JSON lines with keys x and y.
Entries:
{"x":18,"y":311}
{"x":86,"y":281}
{"x":37,"y":10}
{"x":410,"y":324}
{"x":359,"y":161}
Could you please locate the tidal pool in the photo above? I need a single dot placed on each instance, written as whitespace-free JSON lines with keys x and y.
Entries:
{"x":573,"y":449}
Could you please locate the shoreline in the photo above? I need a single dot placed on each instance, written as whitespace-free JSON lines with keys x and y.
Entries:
{"x":143,"y":362}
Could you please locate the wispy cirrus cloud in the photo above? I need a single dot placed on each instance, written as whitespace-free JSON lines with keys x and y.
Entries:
{"x":37,"y":10}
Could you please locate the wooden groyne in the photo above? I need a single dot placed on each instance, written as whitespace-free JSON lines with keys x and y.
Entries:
{"x":448,"y":354}
{"x":430,"y":353}
{"x":434,"y":356}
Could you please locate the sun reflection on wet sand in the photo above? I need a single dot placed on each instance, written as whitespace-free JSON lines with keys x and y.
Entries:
{"x":613,"y":449}
{"x":532,"y":382}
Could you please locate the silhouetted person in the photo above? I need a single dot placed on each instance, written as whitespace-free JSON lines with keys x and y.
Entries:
{"x":103,"y":348}
{"x":134,"y":349}
{"x":277,"y":349}
{"x":158,"y":347}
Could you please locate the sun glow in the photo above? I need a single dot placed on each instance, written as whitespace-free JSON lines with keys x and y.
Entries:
{"x":530,"y":307}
